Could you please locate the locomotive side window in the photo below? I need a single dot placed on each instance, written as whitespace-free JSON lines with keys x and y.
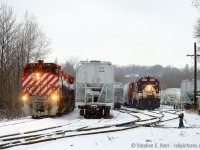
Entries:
{"x":46,"y":69}
{"x":55,"y":70}
{"x":27,"y":71}
{"x":139,"y":84}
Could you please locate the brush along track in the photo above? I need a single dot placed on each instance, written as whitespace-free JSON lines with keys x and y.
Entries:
{"x":16,"y":140}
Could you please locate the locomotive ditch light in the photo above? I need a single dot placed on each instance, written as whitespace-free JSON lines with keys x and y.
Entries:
{"x":54,"y":97}
{"x":24,"y":97}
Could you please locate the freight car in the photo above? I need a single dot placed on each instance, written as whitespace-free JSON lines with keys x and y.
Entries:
{"x":94,"y":88}
{"x":143,"y":93}
{"x":187,"y":93}
{"x":46,"y":90}
{"x":118,"y":95}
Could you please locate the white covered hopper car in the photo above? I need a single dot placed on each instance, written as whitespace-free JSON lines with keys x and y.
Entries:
{"x":187,"y":92}
{"x":94,"y":88}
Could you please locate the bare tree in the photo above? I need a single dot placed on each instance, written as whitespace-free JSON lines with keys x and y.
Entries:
{"x":197,"y":29}
{"x":196,"y":3}
{"x":8,"y":37}
{"x":169,"y":77}
{"x":20,"y":43}
{"x":34,"y":43}
{"x":70,"y":65}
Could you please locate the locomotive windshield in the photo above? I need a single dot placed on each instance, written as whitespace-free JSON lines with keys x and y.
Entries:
{"x":150,"y":83}
{"x":144,"y":83}
{"x":51,"y":69}
{"x":33,"y":68}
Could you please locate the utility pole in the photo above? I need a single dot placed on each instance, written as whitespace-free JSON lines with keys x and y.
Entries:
{"x":195,"y":74}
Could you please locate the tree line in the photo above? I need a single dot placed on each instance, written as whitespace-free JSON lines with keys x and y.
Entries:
{"x":20,"y":42}
{"x":169,"y":77}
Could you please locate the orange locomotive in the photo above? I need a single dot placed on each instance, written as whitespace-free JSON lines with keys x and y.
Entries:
{"x":47,"y":91}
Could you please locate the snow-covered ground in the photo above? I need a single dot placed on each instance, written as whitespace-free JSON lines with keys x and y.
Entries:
{"x":70,"y":121}
{"x":127,"y":140}
{"x":165,"y":135}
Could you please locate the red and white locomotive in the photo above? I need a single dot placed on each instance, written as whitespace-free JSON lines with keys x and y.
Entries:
{"x":46,"y":90}
{"x":143,"y":93}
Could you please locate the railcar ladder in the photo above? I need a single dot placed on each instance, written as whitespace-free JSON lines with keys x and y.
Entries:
{"x":85,"y":76}
{"x":119,"y":95}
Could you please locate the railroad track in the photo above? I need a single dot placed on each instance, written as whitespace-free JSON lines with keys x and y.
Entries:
{"x":31,"y":137}
{"x":11,"y":124}
{"x":23,"y":121}
{"x":160,"y":112}
{"x":35,"y":136}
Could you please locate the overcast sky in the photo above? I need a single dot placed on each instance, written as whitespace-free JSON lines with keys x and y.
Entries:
{"x":141,"y":32}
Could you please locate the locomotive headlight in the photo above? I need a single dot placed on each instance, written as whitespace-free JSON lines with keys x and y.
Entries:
{"x":37,"y":76}
{"x":54,"y":97}
{"x":149,"y":88}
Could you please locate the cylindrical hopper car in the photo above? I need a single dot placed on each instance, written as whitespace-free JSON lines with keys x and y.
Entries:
{"x":94,"y":88}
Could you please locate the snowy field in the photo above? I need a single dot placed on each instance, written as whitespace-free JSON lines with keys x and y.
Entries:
{"x":165,"y":135}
